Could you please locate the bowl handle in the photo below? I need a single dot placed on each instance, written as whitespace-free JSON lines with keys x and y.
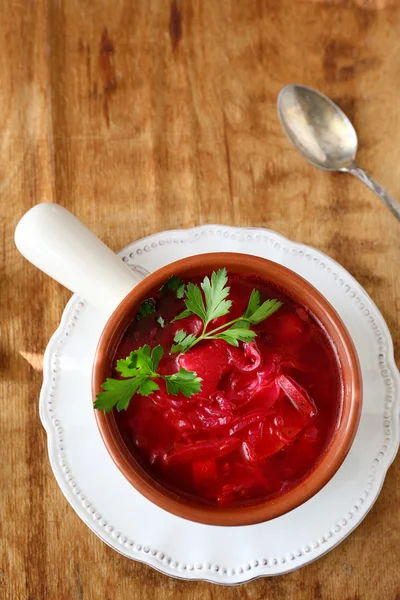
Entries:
{"x":56,"y":242}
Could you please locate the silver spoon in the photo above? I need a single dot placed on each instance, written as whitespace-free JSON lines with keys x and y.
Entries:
{"x":323,"y":134}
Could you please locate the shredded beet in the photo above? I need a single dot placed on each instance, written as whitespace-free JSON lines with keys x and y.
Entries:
{"x":265,"y":412}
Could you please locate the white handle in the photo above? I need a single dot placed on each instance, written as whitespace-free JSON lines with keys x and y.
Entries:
{"x":56,"y":242}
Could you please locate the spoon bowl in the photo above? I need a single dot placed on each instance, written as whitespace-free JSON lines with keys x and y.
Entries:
{"x":317,"y":127}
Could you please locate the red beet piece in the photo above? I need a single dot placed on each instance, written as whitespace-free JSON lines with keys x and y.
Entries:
{"x":254,"y":416}
{"x":204,"y":471}
{"x":247,"y":360}
{"x":269,"y":444}
{"x":288,"y":328}
{"x":178,"y":420}
{"x":275,"y":432}
{"x":297,"y":395}
{"x":210,"y":361}
{"x":202,"y":450}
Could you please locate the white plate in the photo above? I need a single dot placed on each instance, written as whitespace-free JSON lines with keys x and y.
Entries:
{"x":125,"y":520}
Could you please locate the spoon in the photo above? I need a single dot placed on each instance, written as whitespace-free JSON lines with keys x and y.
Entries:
{"x":323,"y":134}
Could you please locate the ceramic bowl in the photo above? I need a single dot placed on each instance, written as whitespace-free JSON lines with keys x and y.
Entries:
{"x":342,"y":438}
{"x":56,"y":242}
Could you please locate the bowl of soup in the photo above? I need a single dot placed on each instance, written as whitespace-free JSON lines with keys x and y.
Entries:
{"x":227,"y":389}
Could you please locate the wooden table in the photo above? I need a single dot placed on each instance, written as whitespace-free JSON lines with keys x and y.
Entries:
{"x":148,"y":115}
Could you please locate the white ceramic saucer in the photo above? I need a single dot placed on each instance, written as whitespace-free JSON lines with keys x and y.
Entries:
{"x":125,"y":520}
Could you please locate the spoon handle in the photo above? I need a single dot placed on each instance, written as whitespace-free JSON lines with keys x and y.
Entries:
{"x":373,"y":185}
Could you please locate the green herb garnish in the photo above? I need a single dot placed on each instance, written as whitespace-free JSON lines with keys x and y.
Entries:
{"x":148,"y":307}
{"x":183,"y":341}
{"x":175,"y":285}
{"x":209,"y":303}
{"x":161,"y":322}
{"x":139,"y":370}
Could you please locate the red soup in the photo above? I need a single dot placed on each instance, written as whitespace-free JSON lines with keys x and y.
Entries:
{"x":266,"y":411}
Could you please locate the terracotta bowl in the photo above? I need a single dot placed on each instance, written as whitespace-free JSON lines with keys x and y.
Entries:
{"x":334,"y":454}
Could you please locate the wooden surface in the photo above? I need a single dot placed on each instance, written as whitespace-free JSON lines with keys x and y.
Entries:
{"x":146,"y":115}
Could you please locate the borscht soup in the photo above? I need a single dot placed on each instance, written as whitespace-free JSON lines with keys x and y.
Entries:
{"x":225,"y":389}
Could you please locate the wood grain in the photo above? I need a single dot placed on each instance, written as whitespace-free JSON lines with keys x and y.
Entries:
{"x":148,"y":115}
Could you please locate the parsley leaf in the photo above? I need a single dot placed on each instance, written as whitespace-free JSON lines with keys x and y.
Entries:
{"x":184,"y":381}
{"x":209,"y":301}
{"x":194,"y":301}
{"x":174,"y":284}
{"x":161,"y":322}
{"x":147,"y":387}
{"x":183,"y":315}
{"x":264,"y":311}
{"x":180,"y":291}
{"x":139,"y":370}
{"x":143,"y":359}
{"x":117,"y":392}
{"x":254,"y":303}
{"x":126,"y":366}
{"x":156,"y":356}
{"x":215,"y":292}
{"x":180,"y":335}
{"x":255,"y":313}
{"x":183,"y":341}
{"x":147,"y":308}
{"x":233,"y":336}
